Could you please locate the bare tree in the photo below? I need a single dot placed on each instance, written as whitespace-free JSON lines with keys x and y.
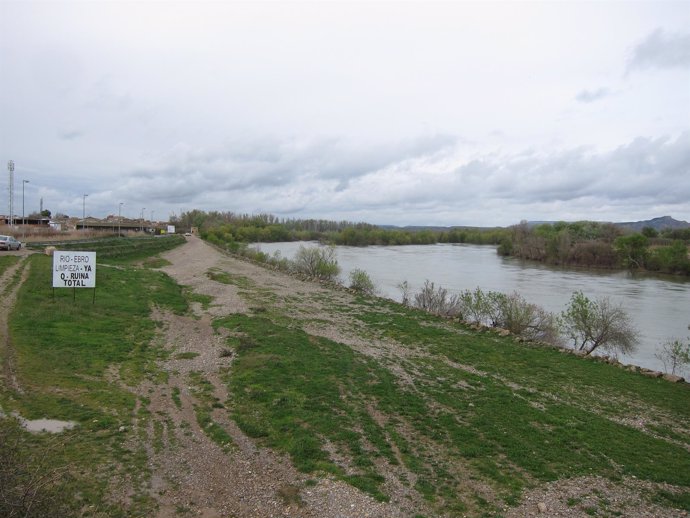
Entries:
{"x":675,"y":356}
{"x":436,"y":300}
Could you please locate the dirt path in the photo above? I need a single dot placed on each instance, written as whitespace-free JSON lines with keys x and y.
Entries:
{"x":191,"y":474}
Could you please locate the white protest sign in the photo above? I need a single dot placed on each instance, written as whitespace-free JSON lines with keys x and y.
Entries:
{"x":74,"y":269}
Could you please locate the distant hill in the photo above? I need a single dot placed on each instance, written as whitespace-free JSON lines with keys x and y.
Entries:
{"x":419,"y":228}
{"x":656,"y":223}
{"x":635,"y":226}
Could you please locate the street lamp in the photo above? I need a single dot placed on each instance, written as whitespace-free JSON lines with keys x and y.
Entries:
{"x":24,"y":182}
{"x":142,"y":218}
{"x":10,"y":168}
{"x":83,"y":211}
{"x":119,"y":220}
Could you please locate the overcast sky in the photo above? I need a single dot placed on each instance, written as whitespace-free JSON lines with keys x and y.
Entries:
{"x":454,"y":113}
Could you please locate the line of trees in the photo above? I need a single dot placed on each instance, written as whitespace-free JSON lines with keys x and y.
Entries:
{"x":600,"y":245}
{"x":230,"y":229}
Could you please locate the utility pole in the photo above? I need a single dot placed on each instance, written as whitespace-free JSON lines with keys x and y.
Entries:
{"x":24,"y":182}
{"x":142,"y":218}
{"x":10,"y":168}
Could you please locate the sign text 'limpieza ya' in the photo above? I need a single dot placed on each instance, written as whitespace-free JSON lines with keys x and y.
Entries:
{"x":74,"y":269}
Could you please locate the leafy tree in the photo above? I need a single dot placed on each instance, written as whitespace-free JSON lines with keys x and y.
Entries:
{"x":632,"y":250}
{"x":599,"y":323}
{"x":650,"y":232}
{"x":670,"y":259}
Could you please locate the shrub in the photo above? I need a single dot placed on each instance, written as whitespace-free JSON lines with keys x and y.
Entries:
{"x":404,"y":287}
{"x":481,"y":308}
{"x":361,"y":282}
{"x":436,"y":300}
{"x":30,"y":486}
{"x":320,"y":263}
{"x":527,"y":320}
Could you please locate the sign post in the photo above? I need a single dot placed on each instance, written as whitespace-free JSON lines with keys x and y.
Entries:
{"x":74,"y":270}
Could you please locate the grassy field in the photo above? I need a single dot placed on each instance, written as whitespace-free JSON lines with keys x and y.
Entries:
{"x":469,"y":419}
{"x":63,"y":350}
{"x":484,"y":417}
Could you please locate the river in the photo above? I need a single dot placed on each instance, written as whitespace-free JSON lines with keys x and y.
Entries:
{"x":659,"y":306}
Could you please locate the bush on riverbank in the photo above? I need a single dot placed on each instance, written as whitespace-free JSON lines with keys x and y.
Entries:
{"x":361,"y":282}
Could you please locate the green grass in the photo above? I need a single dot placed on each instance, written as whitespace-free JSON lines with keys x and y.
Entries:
{"x":204,"y":409}
{"x":189,"y":355}
{"x":126,"y":249}
{"x":514,"y":415}
{"x":203,"y":300}
{"x":7,"y":261}
{"x":228,"y":278}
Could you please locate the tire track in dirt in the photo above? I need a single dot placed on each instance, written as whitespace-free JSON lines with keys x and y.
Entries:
{"x":9,"y":295}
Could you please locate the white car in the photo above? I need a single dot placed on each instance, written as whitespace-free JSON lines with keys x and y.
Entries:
{"x":9,"y":243}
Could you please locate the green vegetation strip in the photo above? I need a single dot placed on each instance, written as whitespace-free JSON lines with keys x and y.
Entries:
{"x":126,"y":249}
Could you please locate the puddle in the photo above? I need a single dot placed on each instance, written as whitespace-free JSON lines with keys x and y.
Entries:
{"x":42,"y":425}
{"x":46,"y":425}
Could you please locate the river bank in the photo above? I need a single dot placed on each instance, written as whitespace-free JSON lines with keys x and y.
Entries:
{"x":656,"y":304}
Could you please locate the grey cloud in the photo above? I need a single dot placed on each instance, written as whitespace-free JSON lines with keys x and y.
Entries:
{"x":645,"y":170}
{"x":579,"y":182}
{"x":344,"y":162}
{"x":300,"y":179}
{"x":588,"y":96}
{"x":662,"y":50}
{"x":642,"y":169}
{"x":240,"y":167}
{"x":70,"y":134}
